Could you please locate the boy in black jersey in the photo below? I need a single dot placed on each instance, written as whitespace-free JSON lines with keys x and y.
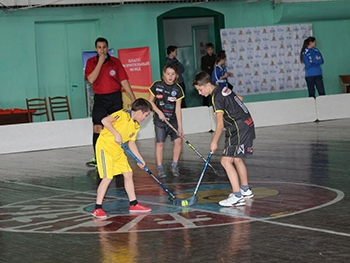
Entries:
{"x":166,"y":96}
{"x":234,"y":116}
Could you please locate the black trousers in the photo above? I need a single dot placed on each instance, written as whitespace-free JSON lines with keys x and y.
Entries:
{"x":315,"y":81}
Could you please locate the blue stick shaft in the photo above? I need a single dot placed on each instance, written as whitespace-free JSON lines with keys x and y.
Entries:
{"x":203,"y":172}
{"x":148,"y":171}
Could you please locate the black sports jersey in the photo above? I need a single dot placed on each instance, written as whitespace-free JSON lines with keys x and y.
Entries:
{"x":165,"y":97}
{"x":237,"y":119}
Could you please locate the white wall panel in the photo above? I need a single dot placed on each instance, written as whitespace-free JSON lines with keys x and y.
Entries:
{"x":196,"y":120}
{"x":280,"y":112}
{"x":332,"y":107}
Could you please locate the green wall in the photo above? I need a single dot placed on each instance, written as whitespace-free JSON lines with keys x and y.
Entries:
{"x":134,"y":25}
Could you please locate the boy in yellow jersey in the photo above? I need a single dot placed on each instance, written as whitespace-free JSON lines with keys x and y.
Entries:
{"x":119,"y":127}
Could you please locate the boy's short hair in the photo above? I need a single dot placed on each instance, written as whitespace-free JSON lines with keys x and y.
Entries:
{"x":170,"y":49}
{"x":141,"y":104}
{"x":208,"y":45}
{"x":101,"y":39}
{"x":201,"y":79}
{"x":172,"y":66}
{"x":220,"y":55}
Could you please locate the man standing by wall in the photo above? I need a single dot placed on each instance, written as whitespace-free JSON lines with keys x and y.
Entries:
{"x":108,"y":77}
{"x":207,"y":65}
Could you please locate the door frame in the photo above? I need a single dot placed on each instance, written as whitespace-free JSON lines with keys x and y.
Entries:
{"x":188,"y":12}
{"x":194,"y":42}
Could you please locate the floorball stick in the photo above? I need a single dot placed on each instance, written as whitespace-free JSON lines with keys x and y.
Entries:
{"x":176,"y":201}
{"x":193,"y":199}
{"x":191,"y":146}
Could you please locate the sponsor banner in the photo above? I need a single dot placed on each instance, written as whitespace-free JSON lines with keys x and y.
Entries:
{"x":137,"y":64}
{"x":265,"y":59}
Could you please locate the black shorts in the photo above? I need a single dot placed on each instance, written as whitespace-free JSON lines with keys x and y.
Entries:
{"x":237,"y":151}
{"x":105,"y":104}
{"x":162,"y":132}
{"x":238,"y":142}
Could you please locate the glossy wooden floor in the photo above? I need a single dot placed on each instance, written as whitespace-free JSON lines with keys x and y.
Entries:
{"x":300,"y":175}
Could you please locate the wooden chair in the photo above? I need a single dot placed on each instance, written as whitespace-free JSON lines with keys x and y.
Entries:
{"x":59,"y":104}
{"x":345,"y":83}
{"x":37,"y":107}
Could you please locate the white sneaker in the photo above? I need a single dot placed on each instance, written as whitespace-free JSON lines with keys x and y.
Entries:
{"x":232,"y":200}
{"x":247,"y":194}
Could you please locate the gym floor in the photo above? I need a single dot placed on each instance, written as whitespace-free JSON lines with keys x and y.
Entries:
{"x":300,"y":175}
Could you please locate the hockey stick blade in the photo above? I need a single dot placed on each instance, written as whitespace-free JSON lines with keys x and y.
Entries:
{"x":173,"y":198}
{"x":193,"y":199}
{"x":185,"y":201}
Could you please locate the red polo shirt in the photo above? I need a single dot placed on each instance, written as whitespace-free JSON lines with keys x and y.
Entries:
{"x":111,"y":75}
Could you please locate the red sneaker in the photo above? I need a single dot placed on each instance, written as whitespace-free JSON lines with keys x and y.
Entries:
{"x":139,"y":208}
{"x":250,"y":150}
{"x":99,"y":213}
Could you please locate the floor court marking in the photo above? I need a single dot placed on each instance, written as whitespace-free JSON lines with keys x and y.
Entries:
{"x":131,"y":224}
{"x":271,"y":220}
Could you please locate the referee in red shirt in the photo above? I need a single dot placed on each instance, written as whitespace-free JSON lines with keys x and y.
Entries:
{"x":107,"y":76}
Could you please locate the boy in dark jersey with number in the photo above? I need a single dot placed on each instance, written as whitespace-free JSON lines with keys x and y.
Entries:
{"x":234,"y":116}
{"x":166,"y":96}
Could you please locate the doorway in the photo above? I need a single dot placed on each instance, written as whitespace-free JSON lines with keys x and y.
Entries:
{"x":189,"y":29}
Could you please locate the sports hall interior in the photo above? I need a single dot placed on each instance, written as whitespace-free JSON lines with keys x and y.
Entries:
{"x":299,"y":170}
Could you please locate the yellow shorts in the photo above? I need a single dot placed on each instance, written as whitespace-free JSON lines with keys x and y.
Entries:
{"x":112,"y":163}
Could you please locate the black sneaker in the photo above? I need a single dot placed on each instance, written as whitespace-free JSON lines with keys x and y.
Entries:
{"x":161,"y":173}
{"x":175,"y":171}
{"x":92,"y":163}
